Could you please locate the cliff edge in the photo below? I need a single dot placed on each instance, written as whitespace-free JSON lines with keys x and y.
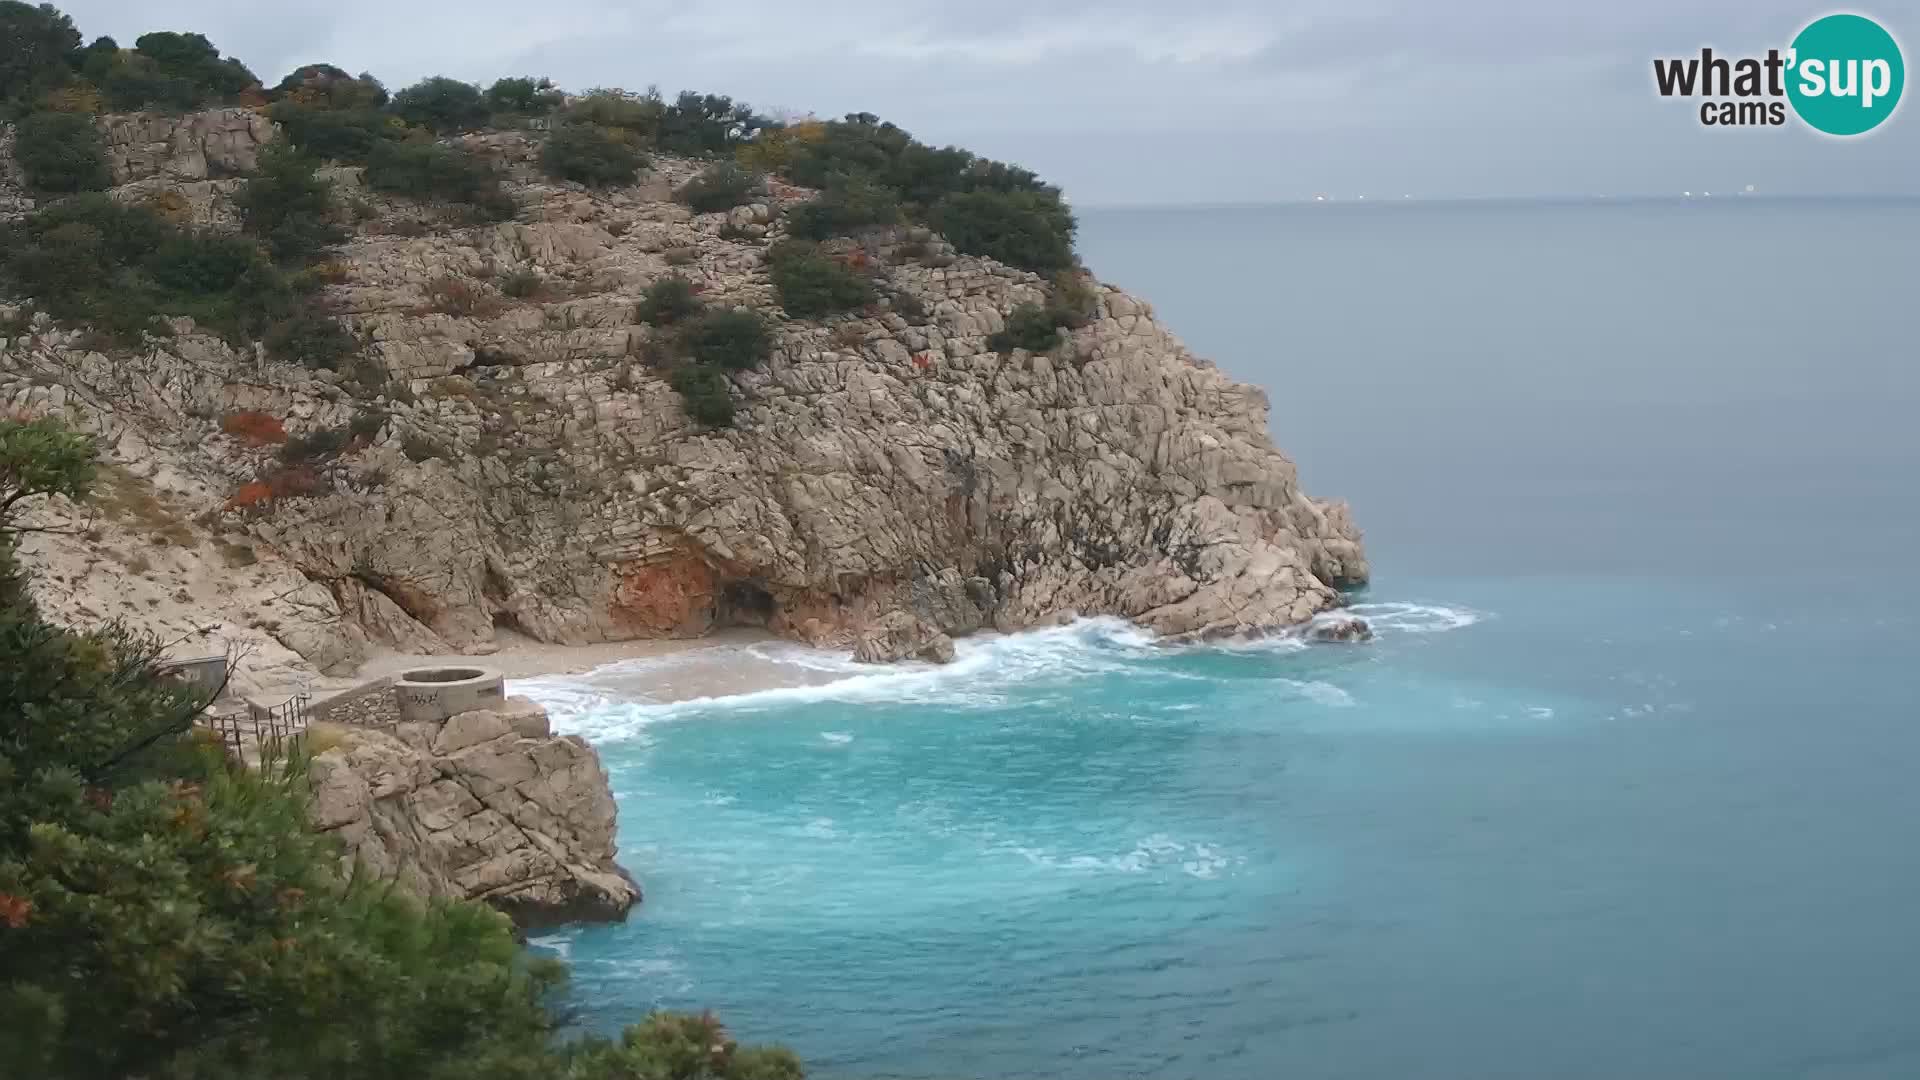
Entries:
{"x":522,"y":462}
{"x":488,"y":806}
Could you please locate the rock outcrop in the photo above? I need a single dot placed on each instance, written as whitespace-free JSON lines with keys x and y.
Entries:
{"x":488,"y":806}
{"x":890,"y":481}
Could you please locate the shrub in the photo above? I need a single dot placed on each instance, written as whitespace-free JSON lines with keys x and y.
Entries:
{"x":426,"y":171}
{"x":442,"y":105}
{"x":636,"y":113}
{"x":719,"y":187}
{"x":522,"y":284}
{"x":456,"y":296}
{"x":35,"y":45}
{"x":254,"y":428}
{"x":1027,"y":229}
{"x":702,"y":125}
{"x":334,"y":134}
{"x":735,"y":339}
{"x":811,"y":285}
{"x":590,"y":154}
{"x":704,"y":393}
{"x":419,"y":448}
{"x":907,"y":304}
{"x":849,"y":203}
{"x":289,"y":207}
{"x":314,"y":446}
{"x":312,"y":339}
{"x":192,"y":61}
{"x":667,"y":300}
{"x":61,"y":153}
{"x":524,"y":95}
{"x":1030,"y":327}
{"x":325,"y":86}
{"x":366,"y":425}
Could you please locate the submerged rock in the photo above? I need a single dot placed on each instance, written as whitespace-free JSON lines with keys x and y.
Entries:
{"x":487,"y":806}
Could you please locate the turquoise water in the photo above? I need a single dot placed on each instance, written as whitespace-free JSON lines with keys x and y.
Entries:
{"x":1624,"y":788}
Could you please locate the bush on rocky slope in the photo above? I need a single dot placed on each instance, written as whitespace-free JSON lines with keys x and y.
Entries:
{"x":848,"y":203}
{"x":667,"y":301}
{"x":289,"y":207}
{"x":442,"y":105}
{"x":811,"y":285}
{"x":735,"y":339}
{"x":592,"y":155}
{"x":61,"y":153}
{"x":719,"y":187}
{"x":435,"y":171}
{"x":88,"y":260}
{"x":166,"y":912}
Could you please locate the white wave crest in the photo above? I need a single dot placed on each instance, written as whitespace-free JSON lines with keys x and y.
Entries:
{"x":612,"y":702}
{"x":1156,"y":852}
{"x":1413,"y":618}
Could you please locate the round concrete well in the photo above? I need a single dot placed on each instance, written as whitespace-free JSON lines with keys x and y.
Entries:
{"x":431,"y":695}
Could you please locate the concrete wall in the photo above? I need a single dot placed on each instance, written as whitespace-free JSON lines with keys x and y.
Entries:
{"x":431,"y":695}
{"x":371,"y":705}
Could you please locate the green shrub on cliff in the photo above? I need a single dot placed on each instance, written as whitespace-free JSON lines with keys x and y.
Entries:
{"x":735,"y":339}
{"x":430,"y":170}
{"x":704,"y":393}
{"x":719,"y":187}
{"x":1028,"y":229}
{"x":667,"y":301}
{"x":849,"y":203}
{"x":811,"y":284}
{"x":167,"y":913}
{"x":590,"y":154}
{"x":61,"y":153}
{"x":289,"y":207}
{"x":37,"y":44}
{"x":89,"y":261}
{"x":442,"y":105}
{"x":335,"y":134}
{"x":525,"y":95}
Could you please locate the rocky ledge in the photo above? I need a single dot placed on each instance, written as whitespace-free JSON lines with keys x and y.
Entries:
{"x":488,"y":806}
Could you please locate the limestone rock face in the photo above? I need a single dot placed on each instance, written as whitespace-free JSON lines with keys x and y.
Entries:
{"x":197,"y":146}
{"x":888,"y":478}
{"x":488,"y":806}
{"x":902,"y":635}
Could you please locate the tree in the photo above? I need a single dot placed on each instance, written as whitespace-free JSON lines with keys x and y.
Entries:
{"x":168,"y":913}
{"x":36,"y":49}
{"x":524,"y":95}
{"x":441,"y":105}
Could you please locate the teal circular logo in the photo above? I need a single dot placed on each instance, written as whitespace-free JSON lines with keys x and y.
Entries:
{"x":1845,"y":74}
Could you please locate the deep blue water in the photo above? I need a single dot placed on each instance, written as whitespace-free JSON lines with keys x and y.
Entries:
{"x":1624,"y":789}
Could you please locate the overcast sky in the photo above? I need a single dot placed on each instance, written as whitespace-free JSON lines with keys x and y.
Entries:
{"x":1150,"y":101}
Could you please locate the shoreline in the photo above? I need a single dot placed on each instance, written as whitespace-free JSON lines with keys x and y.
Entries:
{"x":516,"y":657}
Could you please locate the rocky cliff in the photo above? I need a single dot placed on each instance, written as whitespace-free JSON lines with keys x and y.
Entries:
{"x":890,"y":479}
{"x":488,"y":806}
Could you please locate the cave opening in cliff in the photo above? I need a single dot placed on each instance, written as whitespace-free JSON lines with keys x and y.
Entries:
{"x":744,"y":603}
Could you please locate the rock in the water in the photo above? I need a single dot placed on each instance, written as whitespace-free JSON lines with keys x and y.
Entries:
{"x":488,"y":806}
{"x":1343,"y":628}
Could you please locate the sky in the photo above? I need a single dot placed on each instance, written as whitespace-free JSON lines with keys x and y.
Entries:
{"x":1136,"y":102}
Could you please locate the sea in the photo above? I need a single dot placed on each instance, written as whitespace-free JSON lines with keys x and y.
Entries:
{"x":1628,"y":786}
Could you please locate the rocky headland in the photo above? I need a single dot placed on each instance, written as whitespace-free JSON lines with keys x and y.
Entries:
{"x":890,"y":480}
